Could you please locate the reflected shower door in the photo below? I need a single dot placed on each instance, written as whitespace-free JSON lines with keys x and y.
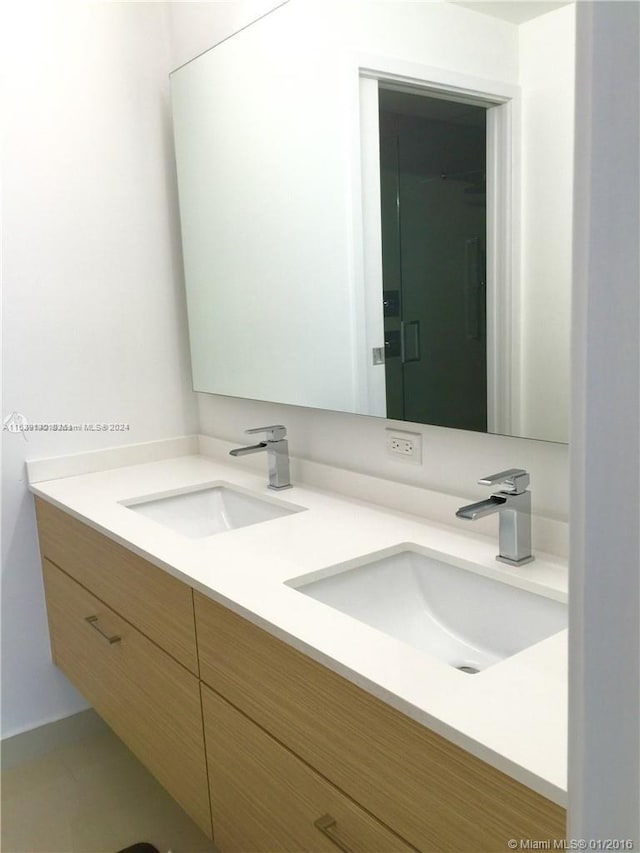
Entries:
{"x":434,"y":262}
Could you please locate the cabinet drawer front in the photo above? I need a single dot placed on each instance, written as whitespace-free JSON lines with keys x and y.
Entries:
{"x":265,"y":800}
{"x":156,"y":603}
{"x":149,"y":700}
{"x":429,"y":791}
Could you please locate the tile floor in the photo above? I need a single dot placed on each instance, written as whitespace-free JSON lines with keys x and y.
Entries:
{"x":90,"y":796}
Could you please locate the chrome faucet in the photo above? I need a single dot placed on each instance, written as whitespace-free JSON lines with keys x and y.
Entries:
{"x":513,"y":505}
{"x":277,"y":448}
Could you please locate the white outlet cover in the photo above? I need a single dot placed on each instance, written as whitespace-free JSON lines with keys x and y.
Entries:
{"x":404,"y":435}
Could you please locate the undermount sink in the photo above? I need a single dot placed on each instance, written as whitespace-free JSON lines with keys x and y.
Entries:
{"x":460,"y":617}
{"x":211,"y":509}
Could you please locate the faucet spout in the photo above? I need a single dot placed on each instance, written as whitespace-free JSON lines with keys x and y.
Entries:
{"x":482,"y":508}
{"x":245,"y":451}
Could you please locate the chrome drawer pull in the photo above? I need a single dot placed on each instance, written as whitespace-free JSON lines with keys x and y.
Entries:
{"x":326,"y":824}
{"x":93,"y":621}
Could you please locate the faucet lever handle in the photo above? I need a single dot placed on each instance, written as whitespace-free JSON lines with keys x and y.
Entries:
{"x":515,"y":479}
{"x":274,"y":433}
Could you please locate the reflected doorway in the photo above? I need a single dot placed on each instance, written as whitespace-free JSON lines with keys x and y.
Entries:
{"x":433,"y":160}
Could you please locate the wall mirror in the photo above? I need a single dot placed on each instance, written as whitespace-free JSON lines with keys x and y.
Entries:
{"x":376,"y":211}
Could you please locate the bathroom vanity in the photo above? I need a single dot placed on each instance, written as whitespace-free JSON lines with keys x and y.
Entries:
{"x":277,"y":722}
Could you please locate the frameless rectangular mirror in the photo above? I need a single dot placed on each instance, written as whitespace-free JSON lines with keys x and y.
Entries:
{"x":376,"y":211}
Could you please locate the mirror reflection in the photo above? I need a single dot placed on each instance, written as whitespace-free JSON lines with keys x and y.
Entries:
{"x":433,"y":221}
{"x":375,"y":203}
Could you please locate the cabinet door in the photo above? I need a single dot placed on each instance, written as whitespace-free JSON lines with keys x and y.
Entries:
{"x":266,"y":800}
{"x":159,"y":605}
{"x":149,"y":700}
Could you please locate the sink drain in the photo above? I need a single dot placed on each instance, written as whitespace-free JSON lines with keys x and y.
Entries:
{"x":470,"y":670}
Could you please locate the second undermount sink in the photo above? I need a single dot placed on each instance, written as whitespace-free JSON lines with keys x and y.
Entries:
{"x":207,"y":510}
{"x":460,"y":617}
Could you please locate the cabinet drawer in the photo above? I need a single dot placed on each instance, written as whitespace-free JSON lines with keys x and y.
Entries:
{"x":156,"y":603}
{"x":149,"y":700}
{"x":431,"y":792}
{"x":266,"y":800}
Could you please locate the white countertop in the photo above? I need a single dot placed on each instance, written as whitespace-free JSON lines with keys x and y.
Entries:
{"x":512,"y":715}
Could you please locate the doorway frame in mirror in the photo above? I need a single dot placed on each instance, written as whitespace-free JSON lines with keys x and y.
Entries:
{"x":503,"y":220}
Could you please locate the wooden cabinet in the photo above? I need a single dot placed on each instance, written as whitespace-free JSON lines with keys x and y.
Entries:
{"x":265,"y":799}
{"x":289,"y":743}
{"x":155,"y":602}
{"x":429,"y":791}
{"x":148,"y":699}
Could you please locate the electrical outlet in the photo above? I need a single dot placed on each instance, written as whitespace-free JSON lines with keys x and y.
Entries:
{"x":404,"y":445}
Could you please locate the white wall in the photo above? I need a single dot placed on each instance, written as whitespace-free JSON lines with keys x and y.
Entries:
{"x":438,"y":33}
{"x":547,"y":60}
{"x":95,"y":327}
{"x":604,"y":689}
{"x":195,"y":27}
